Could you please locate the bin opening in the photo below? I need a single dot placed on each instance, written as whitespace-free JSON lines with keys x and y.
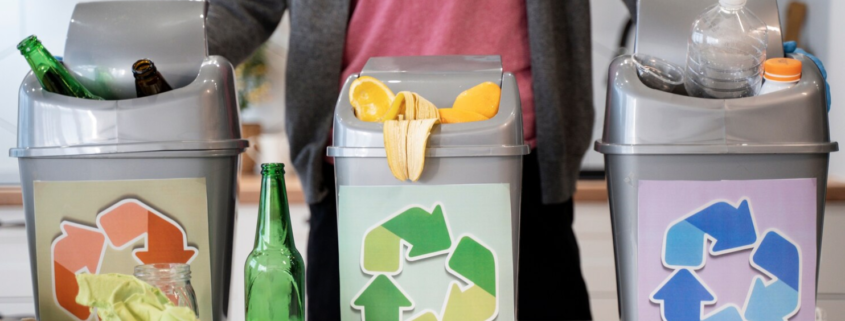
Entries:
{"x":661,"y":75}
{"x":810,"y":74}
{"x":373,"y":101}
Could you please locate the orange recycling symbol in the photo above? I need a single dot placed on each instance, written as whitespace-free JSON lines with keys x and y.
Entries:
{"x":81,"y":248}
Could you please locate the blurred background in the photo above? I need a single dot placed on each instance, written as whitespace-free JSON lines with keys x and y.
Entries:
{"x":261,"y":83}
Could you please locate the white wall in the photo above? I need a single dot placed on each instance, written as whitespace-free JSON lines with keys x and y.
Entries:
{"x":47,"y":19}
{"x":815,"y":32}
{"x":832,"y":57}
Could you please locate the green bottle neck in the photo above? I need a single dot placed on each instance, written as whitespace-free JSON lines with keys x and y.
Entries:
{"x":274,"y":229}
{"x":38,"y":57}
{"x":51,"y":73}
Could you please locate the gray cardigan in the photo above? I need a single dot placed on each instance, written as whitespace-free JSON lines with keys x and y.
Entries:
{"x":559,"y":39}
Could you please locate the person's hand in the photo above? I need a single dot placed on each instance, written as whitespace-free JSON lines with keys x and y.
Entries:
{"x":791,"y":47}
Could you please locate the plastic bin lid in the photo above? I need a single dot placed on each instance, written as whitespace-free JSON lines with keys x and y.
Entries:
{"x":439,"y":79}
{"x":641,"y":120}
{"x":104,"y":39}
{"x":200,"y":116}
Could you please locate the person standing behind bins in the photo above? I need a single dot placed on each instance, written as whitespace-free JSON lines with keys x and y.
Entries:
{"x":544,"y":43}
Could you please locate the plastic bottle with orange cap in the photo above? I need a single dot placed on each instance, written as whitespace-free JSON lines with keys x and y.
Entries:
{"x":780,"y":74}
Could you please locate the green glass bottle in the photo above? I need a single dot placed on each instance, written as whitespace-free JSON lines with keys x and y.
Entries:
{"x":52,"y":75}
{"x":274,"y":274}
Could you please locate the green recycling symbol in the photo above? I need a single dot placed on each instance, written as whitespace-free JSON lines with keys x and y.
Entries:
{"x":426,"y":234}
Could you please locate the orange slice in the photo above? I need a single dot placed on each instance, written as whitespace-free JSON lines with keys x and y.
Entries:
{"x":371,"y":100}
{"x":454,"y":116}
{"x":483,"y":99}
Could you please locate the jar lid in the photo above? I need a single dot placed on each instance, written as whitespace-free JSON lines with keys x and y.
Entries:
{"x":782,"y":69}
{"x":163,"y":272}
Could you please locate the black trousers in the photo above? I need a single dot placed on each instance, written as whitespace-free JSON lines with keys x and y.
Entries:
{"x":322,"y":278}
{"x":550,"y":283}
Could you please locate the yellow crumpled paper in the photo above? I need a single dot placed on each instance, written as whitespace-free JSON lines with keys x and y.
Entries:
{"x":121,"y":297}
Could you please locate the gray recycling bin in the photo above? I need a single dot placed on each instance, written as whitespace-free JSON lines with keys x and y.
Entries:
{"x":108,"y":185}
{"x":717,"y":205}
{"x":445,"y":247}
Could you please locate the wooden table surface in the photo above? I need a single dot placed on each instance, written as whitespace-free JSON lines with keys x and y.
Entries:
{"x":250,"y":187}
{"x":596,"y":191}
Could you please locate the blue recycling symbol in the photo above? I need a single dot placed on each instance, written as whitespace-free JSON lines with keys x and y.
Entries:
{"x":774,"y":295}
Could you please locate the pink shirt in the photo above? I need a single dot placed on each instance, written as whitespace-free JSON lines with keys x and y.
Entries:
{"x":444,"y":27}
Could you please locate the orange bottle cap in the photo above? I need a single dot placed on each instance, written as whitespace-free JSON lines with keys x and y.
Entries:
{"x":782,"y":69}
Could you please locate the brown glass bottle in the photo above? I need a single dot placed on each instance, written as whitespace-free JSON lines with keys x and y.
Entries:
{"x":148,"y":81}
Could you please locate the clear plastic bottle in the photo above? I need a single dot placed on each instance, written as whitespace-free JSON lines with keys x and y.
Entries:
{"x":725,"y":53}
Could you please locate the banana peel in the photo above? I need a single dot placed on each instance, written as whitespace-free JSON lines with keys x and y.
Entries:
{"x":395,"y":140}
{"x":405,"y":141}
{"x":414,"y":106}
{"x":418,"y":132}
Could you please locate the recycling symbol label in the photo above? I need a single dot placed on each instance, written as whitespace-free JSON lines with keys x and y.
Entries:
{"x":112,"y":226}
{"x":420,"y":233}
{"x":82,"y":248}
{"x":731,"y":229}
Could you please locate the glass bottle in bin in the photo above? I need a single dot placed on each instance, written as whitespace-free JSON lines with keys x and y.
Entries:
{"x":51,"y":73}
{"x":148,"y":81}
{"x":174,"y":281}
{"x":274,"y":275}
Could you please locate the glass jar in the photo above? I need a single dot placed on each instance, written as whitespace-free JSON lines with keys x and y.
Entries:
{"x":174,"y":281}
